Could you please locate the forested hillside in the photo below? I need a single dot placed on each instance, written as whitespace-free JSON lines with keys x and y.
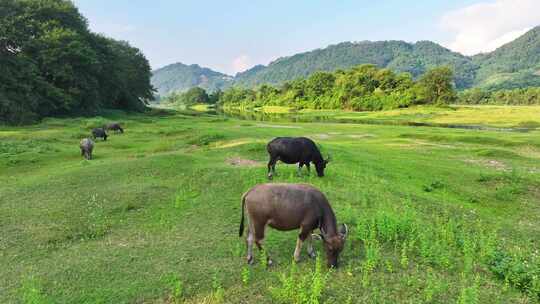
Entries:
{"x":396,"y":55}
{"x":362,"y":88}
{"x":52,"y":64}
{"x":514,"y":65}
{"x":180,"y":77}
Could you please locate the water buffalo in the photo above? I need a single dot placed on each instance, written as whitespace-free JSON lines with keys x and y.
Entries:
{"x":99,"y":132}
{"x":114,"y":126}
{"x":287,"y":207}
{"x":87,"y":146}
{"x":292,"y":150}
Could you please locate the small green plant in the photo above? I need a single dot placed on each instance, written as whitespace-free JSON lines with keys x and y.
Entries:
{"x":246,"y":274}
{"x":263,"y":258}
{"x":469,"y":291}
{"x":176,"y":288}
{"x":31,"y":292}
{"x":404,"y":259}
{"x":299,"y":288}
{"x":218,"y":294}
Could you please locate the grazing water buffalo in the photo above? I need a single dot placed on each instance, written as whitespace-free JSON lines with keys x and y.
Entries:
{"x":288,"y":207}
{"x":292,"y":150}
{"x":99,"y":132}
{"x":87,"y":146}
{"x":114,"y":126}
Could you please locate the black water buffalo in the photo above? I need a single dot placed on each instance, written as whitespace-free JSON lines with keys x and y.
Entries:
{"x":288,"y":207}
{"x":114,"y":126}
{"x":87,"y":146}
{"x":99,"y":132}
{"x":292,"y":150}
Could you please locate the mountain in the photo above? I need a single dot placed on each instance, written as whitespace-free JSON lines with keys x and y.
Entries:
{"x":514,"y":65}
{"x":181,"y":77}
{"x":397,"y":55}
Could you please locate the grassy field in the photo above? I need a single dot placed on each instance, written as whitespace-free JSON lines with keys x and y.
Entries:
{"x":486,"y":116}
{"x":436,"y":215}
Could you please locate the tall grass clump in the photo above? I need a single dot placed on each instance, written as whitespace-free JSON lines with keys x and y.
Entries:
{"x":445,"y":243}
{"x":300,"y":288}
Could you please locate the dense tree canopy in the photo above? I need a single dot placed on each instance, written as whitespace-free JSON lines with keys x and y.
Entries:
{"x":362,"y":88}
{"x":51,"y":64}
{"x":528,"y":96}
{"x":436,"y":86}
{"x":190,"y":97}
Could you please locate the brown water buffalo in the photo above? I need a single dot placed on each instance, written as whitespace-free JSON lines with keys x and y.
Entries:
{"x":288,"y":207}
{"x":295,"y":150}
{"x":87,"y":146}
{"x":114,"y":126}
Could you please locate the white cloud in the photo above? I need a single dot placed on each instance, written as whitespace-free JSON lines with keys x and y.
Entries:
{"x":241,"y":63}
{"x":487,"y":25}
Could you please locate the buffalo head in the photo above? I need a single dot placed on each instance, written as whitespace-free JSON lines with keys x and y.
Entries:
{"x":320,"y":166}
{"x":333,"y":245}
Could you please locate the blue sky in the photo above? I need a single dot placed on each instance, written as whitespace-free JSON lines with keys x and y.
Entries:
{"x":231,"y":36}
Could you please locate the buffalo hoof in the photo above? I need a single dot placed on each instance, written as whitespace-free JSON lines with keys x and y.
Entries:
{"x":269,"y":262}
{"x":312,"y":255}
{"x":270,"y":176}
{"x":250,"y":260}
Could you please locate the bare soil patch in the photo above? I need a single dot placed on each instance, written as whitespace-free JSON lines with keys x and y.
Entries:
{"x":490,"y":163}
{"x":242,"y":162}
{"x":322,"y":136}
{"x":360,"y":135}
{"x":277,"y":126}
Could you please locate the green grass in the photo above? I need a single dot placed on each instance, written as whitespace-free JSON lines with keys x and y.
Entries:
{"x":486,"y":116}
{"x":436,"y":215}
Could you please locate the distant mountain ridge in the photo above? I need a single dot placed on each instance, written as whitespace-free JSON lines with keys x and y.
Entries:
{"x":181,"y":77}
{"x":514,"y":65}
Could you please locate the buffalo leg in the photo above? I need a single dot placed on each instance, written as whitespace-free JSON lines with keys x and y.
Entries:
{"x":272,"y":167}
{"x":304,"y":234}
{"x":300,"y":165}
{"x":310,"y":250}
{"x":308,"y":168}
{"x":250,"y":240}
{"x":259,"y":239}
{"x":298,"y":249}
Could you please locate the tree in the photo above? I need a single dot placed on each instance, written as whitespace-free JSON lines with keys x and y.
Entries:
{"x":51,"y":64}
{"x":195,"y":95}
{"x":436,"y":86}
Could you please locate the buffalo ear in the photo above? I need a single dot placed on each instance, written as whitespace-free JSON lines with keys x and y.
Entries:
{"x":343,"y":231}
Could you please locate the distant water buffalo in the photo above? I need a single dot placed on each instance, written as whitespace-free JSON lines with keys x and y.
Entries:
{"x":99,"y":133}
{"x":114,"y":126}
{"x":295,"y":150}
{"x":288,"y":207}
{"x":87,"y":146}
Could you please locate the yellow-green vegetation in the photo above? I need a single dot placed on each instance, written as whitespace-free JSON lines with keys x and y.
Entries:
{"x":457,"y":115}
{"x":201,"y":107}
{"x":436,"y":215}
{"x":275,"y":109}
{"x":499,"y":116}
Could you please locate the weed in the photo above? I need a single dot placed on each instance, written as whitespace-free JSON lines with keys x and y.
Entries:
{"x":218,"y":294}
{"x":469,"y":291}
{"x":301,"y":289}
{"x":176,"y":288}
{"x":246,"y":274}
{"x":31,"y":291}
